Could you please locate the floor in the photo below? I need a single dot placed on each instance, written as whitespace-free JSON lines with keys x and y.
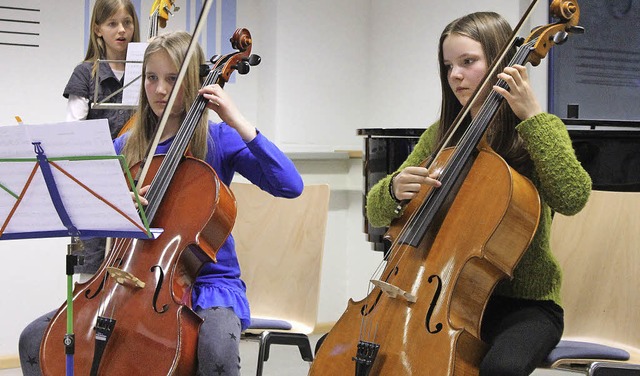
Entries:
{"x":284,"y":361}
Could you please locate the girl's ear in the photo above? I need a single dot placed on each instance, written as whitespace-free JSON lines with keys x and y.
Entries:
{"x":96,"y":31}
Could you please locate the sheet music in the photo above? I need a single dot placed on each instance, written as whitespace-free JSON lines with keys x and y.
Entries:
{"x":133,"y":72}
{"x":36,"y":212}
{"x":12,"y":142}
{"x":78,"y":138}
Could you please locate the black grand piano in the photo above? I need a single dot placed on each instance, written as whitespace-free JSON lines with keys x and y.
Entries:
{"x":608,"y":149}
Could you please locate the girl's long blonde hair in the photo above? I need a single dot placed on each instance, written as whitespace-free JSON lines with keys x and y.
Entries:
{"x":493,"y":32}
{"x":102,"y":10}
{"x":175,"y":44}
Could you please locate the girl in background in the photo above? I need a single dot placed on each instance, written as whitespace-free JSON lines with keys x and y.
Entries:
{"x":114,"y":24}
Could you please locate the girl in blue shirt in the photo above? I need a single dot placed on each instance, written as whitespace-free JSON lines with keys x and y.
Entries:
{"x":233,"y":145}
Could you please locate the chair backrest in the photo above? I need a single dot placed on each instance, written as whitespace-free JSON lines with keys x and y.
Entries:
{"x":280,"y":243}
{"x":599,"y":250}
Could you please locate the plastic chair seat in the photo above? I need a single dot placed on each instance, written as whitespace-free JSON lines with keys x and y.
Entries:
{"x":258,"y":323}
{"x":585,"y":350}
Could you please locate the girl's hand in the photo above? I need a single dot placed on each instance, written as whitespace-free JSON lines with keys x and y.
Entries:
{"x":408,"y":182}
{"x":222,"y":104}
{"x":141,"y":193}
{"x":520,"y":95}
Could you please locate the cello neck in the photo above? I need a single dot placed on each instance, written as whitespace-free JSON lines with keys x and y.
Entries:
{"x":460,"y":160}
{"x":177,"y":150}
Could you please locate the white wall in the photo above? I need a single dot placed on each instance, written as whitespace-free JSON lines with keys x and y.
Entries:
{"x":329,"y":68}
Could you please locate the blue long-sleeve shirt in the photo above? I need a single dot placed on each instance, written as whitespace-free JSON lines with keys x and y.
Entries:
{"x":261,"y":162}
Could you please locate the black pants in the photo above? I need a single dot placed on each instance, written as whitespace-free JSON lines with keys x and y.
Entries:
{"x":521,"y":333}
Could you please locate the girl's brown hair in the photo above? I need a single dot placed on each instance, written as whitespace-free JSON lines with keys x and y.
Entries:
{"x":493,"y":32}
{"x":175,"y":44}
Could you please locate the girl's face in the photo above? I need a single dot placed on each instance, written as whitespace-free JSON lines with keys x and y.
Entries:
{"x":160,"y":76}
{"x":117,"y":32}
{"x":466,"y":66}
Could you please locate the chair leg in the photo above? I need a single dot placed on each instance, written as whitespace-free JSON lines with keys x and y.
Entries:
{"x":278,"y":338}
{"x":605,"y":368}
{"x":262,"y":357}
{"x":296,"y":339}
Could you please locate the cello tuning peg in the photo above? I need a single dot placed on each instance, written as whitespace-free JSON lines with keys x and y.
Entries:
{"x":560,"y":37}
{"x":519,"y":41}
{"x":204,"y":70}
{"x":254,"y":60}
{"x":214,"y":59}
{"x":242,"y":67}
{"x":169,"y":11}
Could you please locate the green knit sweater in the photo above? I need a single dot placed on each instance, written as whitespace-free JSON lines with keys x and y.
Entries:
{"x":563,"y":186}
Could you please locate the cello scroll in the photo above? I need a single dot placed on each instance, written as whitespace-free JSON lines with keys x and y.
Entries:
{"x":547,"y":36}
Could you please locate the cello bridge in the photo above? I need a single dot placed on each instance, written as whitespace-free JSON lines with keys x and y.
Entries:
{"x":125,"y":278}
{"x":394,"y":291}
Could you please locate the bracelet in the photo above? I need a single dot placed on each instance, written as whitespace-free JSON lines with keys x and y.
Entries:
{"x":393,"y":195}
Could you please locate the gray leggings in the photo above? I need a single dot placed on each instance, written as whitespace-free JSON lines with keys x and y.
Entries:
{"x":218,"y":343}
{"x":29,"y":345}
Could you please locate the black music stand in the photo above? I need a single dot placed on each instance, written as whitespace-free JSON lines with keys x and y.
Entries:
{"x":76,"y":189}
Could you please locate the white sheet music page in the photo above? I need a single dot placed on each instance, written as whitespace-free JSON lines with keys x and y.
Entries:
{"x":86,"y":210}
{"x":133,"y":73}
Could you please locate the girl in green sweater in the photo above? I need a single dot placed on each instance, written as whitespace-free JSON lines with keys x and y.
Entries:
{"x":523,"y":320}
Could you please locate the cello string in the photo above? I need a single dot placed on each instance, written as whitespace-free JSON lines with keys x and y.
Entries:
{"x":107,"y":280}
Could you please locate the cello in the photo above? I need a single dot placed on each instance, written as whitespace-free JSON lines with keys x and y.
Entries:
{"x":450,"y":247}
{"x":134,"y":315}
{"x":159,"y":15}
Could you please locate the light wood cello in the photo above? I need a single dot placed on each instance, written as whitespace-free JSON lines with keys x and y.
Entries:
{"x":134,"y":317}
{"x":450,"y":247}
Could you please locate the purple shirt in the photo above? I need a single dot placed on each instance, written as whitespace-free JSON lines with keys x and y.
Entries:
{"x":262,"y":163}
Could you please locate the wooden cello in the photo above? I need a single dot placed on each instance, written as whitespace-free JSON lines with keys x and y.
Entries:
{"x":133,"y":317}
{"x":450,"y":247}
{"x":160,"y":10}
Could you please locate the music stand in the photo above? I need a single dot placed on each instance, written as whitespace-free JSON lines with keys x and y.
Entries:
{"x":130,"y":89}
{"x":73,"y":187}
{"x":132,"y":82}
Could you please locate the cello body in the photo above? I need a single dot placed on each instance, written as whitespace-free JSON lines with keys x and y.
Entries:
{"x":155,"y":331}
{"x":451,"y":273}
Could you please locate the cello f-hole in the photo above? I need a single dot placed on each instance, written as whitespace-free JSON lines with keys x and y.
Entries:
{"x":165,"y":307}
{"x":89,"y":295}
{"x":432,"y":306}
